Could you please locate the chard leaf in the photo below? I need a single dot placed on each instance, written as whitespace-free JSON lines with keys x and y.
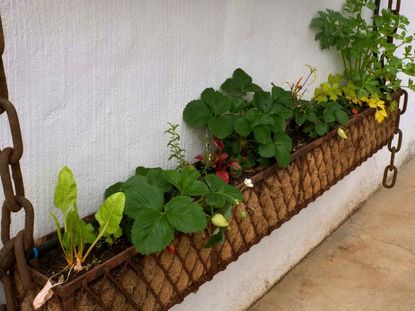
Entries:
{"x":66,"y":192}
{"x":110,"y":213}
{"x":185,"y":215}
{"x":151,"y":232}
{"x":86,"y":231}
{"x":140,"y":194}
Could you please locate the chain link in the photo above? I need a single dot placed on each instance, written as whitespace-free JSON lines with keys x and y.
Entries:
{"x":12,"y":254}
{"x":389,"y":182}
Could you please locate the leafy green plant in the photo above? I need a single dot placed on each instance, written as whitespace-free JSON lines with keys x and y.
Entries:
{"x":369,"y":52}
{"x":176,"y":151}
{"x":252,"y":127}
{"x":317,"y":119}
{"x":77,"y":233}
{"x":160,"y":202}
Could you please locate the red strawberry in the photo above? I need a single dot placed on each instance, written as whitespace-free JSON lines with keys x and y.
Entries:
{"x":203,"y":236}
{"x":355,"y":111}
{"x":171,"y":249}
{"x":224,"y":175}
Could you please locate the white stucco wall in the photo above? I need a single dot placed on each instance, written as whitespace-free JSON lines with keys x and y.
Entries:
{"x":95,"y":83}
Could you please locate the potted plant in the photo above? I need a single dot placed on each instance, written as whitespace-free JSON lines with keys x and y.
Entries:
{"x":267,"y":155}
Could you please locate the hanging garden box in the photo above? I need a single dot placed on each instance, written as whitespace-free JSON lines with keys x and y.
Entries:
{"x":130,"y":281}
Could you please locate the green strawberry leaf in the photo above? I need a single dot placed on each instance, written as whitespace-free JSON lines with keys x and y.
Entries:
{"x":221,"y":192}
{"x":185,"y":215}
{"x":196,"y":114}
{"x":218,"y":103}
{"x":151,"y":232}
{"x":117,"y":187}
{"x":342,"y":116}
{"x":140,"y":194}
{"x":186,"y":181}
{"x":266,"y":150}
{"x":215,"y":239}
{"x":283,"y":146}
{"x":221,"y":127}
{"x":321,"y":128}
{"x":242,"y":127}
{"x":262,"y":134}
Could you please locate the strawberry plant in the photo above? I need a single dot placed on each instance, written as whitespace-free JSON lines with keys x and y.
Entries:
{"x":77,"y":233}
{"x":160,"y":202}
{"x":251,"y":122}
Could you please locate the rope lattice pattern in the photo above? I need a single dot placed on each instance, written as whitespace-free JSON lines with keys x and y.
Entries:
{"x":161,"y":280}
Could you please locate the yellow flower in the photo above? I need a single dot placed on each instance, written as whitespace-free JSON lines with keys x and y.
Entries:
{"x":380,"y":115}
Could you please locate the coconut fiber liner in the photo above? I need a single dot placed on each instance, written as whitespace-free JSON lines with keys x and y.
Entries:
{"x":130,"y":281}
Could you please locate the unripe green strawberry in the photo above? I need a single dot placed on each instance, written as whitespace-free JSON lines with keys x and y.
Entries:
{"x":341,"y":133}
{"x":219,"y":221}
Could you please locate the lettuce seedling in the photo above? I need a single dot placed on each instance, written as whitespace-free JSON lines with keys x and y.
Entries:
{"x":77,"y":234}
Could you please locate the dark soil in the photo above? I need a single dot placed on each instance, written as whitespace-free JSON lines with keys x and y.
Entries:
{"x":54,"y":262}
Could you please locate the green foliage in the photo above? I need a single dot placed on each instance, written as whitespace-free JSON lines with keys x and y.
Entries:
{"x":317,"y":119}
{"x":176,"y":151}
{"x":368,"y":50}
{"x":213,"y":111}
{"x":239,"y":85}
{"x":77,"y":233}
{"x":177,"y":200}
{"x":246,"y":118}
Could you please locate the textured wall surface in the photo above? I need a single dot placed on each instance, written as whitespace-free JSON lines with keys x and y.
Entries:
{"x":95,"y":83}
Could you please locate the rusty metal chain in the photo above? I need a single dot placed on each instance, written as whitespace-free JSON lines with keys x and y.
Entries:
{"x":391,"y":167}
{"x":12,"y":254}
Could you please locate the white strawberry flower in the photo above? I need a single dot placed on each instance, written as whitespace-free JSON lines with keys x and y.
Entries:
{"x":248,"y":183}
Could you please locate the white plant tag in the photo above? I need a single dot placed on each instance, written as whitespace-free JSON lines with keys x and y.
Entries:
{"x":46,"y":293}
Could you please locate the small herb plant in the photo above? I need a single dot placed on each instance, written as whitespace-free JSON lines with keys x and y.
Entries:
{"x":368,"y":51}
{"x":77,"y":234}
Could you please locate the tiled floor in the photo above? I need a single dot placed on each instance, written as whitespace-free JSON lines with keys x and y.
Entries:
{"x":367,"y":264}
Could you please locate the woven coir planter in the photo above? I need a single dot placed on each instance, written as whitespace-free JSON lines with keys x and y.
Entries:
{"x":130,"y":281}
